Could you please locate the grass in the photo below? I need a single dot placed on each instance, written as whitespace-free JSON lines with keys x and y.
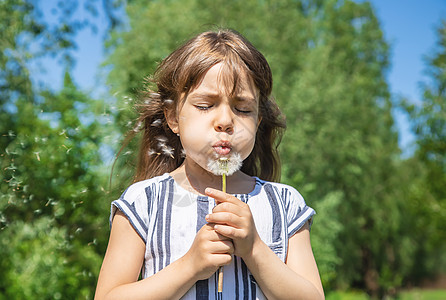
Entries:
{"x":413,"y":294}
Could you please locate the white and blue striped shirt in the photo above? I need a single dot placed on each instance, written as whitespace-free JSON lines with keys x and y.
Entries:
{"x":167,"y":218}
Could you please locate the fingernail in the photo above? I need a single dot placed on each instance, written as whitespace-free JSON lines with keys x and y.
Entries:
{"x":208,"y":191}
{"x":207,"y":217}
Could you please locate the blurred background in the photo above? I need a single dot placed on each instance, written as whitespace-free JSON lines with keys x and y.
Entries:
{"x":363,"y":85}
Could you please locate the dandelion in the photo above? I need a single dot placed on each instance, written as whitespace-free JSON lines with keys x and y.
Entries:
{"x":224,"y":166}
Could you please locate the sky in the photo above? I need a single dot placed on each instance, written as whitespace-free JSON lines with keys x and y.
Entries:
{"x":408,"y":26}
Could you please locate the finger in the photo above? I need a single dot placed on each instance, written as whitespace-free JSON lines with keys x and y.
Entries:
{"x":211,"y":235}
{"x":222,"y":247}
{"x":229,"y":231}
{"x":230,"y":208}
{"x":222,"y":259}
{"x":220,"y":196}
{"x":226,"y":218}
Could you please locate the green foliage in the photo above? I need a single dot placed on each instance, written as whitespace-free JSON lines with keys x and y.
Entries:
{"x":323,"y":238}
{"x":53,"y":207}
{"x":428,"y":193}
{"x":40,"y":261}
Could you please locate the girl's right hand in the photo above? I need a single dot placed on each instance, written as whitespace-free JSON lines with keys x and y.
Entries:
{"x":208,"y":252}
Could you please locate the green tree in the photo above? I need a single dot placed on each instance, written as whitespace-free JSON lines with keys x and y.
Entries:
{"x":53,"y":217}
{"x":428,"y":194}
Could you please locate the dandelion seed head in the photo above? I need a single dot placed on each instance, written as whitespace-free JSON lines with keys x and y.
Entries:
{"x":225,"y":165}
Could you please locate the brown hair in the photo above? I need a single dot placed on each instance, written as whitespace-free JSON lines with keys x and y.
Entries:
{"x":160,"y":149}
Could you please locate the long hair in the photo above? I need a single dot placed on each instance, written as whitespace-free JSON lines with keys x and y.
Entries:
{"x":178,"y":74}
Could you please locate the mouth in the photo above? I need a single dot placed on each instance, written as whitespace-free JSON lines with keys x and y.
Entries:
{"x":222,"y":147}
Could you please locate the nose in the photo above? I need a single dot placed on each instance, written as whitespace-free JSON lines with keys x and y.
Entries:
{"x":224,"y":120}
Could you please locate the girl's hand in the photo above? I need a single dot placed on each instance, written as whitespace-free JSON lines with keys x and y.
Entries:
{"x":233,"y":219}
{"x":208,"y":252}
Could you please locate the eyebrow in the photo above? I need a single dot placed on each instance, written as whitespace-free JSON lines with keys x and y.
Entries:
{"x":238,"y":98}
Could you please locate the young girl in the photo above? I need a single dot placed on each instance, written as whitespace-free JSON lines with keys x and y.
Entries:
{"x":174,"y":223}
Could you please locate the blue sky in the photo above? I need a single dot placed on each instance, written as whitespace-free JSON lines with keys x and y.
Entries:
{"x":408,"y":25}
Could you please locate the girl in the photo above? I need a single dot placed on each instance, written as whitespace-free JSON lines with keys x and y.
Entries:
{"x":212,"y":102}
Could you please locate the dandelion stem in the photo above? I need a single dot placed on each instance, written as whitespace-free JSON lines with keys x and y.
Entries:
{"x":220,"y":270}
{"x":223,"y":179}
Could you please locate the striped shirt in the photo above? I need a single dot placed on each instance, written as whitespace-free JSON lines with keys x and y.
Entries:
{"x":167,"y":218}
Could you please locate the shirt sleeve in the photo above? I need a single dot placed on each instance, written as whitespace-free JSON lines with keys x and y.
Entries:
{"x":298,"y":213}
{"x":134,"y":204}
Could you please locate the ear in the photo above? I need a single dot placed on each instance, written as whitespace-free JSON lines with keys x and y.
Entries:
{"x":172,"y":120}
{"x":258,"y":122}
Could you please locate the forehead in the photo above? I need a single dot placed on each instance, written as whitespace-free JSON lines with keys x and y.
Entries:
{"x":227,"y":80}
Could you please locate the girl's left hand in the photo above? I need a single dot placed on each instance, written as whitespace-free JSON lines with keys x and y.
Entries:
{"x":234,"y":220}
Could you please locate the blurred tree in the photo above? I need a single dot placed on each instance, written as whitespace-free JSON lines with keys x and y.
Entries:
{"x":428,"y":195}
{"x":53,"y":219}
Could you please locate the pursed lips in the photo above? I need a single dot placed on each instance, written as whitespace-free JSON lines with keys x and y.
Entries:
{"x":222,"y":147}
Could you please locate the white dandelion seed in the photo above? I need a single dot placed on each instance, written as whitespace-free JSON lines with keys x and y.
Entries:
{"x":161,"y":138}
{"x":168,"y":102}
{"x":167,"y":150}
{"x":37,"y":155}
{"x":156,"y":123}
{"x":183,"y":153}
{"x":137,"y":127}
{"x":68,"y":149}
{"x":152,"y":152}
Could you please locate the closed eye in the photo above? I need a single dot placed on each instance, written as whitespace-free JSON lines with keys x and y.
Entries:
{"x":203,"y":107}
{"x":243,"y":111}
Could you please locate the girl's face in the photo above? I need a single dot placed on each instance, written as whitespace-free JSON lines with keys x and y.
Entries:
{"x":212,"y":124}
